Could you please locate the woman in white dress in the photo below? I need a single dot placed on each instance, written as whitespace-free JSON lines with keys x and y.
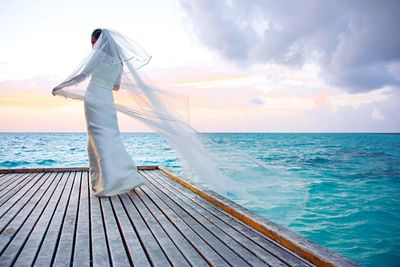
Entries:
{"x":112,"y":171}
{"x":113,"y":64}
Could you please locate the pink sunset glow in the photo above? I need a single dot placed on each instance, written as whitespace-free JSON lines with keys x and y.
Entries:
{"x":252,"y":85}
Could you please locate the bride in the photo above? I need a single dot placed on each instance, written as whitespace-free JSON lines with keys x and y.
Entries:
{"x":112,"y":66}
{"x":112,"y":171}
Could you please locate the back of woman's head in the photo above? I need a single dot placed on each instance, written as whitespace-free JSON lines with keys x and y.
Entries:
{"x":96,"y":33}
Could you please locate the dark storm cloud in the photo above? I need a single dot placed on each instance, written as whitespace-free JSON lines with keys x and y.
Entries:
{"x":356,"y":43}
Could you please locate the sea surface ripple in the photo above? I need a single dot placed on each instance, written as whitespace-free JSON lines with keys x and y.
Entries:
{"x":339,"y":190}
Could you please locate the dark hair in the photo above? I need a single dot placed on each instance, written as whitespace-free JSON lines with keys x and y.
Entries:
{"x":96,"y":33}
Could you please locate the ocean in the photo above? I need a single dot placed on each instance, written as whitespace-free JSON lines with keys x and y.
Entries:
{"x":340,"y":190}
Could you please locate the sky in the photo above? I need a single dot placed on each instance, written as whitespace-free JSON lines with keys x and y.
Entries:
{"x":241,"y":66}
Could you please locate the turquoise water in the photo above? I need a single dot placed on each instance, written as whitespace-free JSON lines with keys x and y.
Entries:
{"x":339,"y":190}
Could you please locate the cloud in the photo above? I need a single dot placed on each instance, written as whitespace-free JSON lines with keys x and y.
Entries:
{"x":39,"y":84}
{"x":375,"y":111}
{"x":356,"y":43}
{"x":356,"y":100}
{"x":377,"y":115}
{"x":256,"y":101}
{"x":29,"y":93}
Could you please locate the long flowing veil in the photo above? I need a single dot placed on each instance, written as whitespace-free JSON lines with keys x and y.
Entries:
{"x":143,"y":102}
{"x":153,"y":107}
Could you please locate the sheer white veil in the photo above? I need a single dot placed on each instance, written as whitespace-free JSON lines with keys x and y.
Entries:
{"x":151,"y":106}
{"x":142,"y":102}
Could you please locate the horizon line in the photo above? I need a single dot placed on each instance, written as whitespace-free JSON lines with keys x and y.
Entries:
{"x":219,"y":132}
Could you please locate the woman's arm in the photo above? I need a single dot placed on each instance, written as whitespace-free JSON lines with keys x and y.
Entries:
{"x":86,"y":72}
{"x":74,"y":80}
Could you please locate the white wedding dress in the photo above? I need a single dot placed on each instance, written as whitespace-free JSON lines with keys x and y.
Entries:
{"x":112,"y":171}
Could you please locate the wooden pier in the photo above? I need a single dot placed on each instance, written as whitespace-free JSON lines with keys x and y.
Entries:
{"x":49,"y":217}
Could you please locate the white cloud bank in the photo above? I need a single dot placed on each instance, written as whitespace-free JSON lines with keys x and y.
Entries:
{"x":356,"y":43}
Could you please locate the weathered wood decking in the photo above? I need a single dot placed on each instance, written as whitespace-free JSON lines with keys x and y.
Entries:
{"x":50,"y":217}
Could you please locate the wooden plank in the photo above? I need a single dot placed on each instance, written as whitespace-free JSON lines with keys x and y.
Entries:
{"x":209,"y":255}
{"x":147,"y":168}
{"x":133,"y":244}
{"x":186,"y":248}
{"x":41,"y":170}
{"x":20,"y":204}
{"x":49,"y":245}
{"x":100,"y":252}
{"x":82,"y":244}
{"x":6,"y":178}
{"x":152,"y":248}
{"x":227,"y":240}
{"x":303,"y":247}
{"x":259,"y":244}
{"x":32,"y":246}
{"x":14,"y":186}
{"x":11,"y":246}
{"x":174,"y":255}
{"x":118,"y":254}
{"x":11,"y":187}
{"x":247,"y":249}
{"x":10,"y":222}
{"x":64,"y":251}
{"x":69,"y":169}
{"x":203,"y":230}
{"x":12,"y":198}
